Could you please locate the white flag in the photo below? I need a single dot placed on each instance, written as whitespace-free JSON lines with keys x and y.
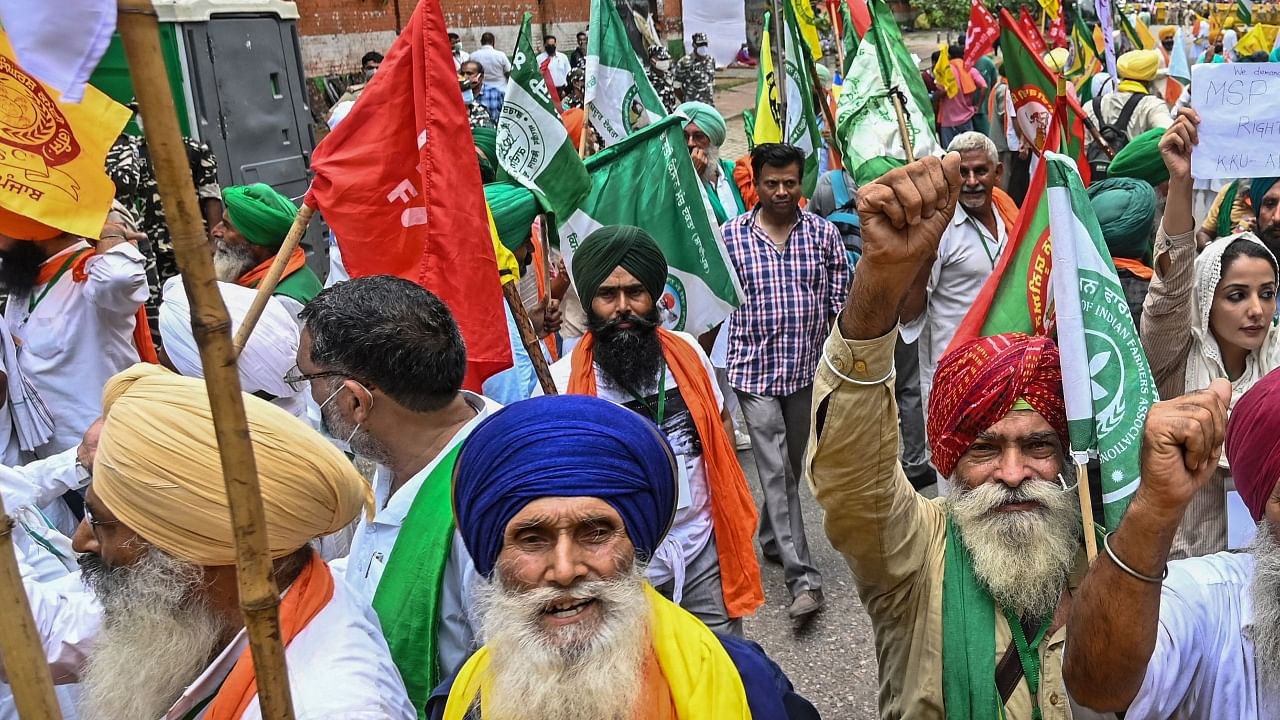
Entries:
{"x":59,"y":41}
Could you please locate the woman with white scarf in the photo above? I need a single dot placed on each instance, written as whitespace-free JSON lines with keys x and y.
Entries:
{"x":1206,"y":317}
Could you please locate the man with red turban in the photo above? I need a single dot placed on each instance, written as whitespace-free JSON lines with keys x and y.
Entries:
{"x":966,"y":593}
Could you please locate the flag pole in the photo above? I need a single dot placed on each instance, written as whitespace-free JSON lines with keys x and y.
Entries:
{"x":1086,"y":512}
{"x":20,"y":645}
{"x":586,"y":130}
{"x":258,"y":596}
{"x":780,"y":66}
{"x":528,"y":337}
{"x":268,"y":285}
{"x":907,"y":148}
{"x":821,"y":96}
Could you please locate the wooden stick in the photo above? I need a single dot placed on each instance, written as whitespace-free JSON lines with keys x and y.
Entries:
{"x":1086,"y":512}
{"x":259,"y":598}
{"x":780,"y":65}
{"x":586,"y":130}
{"x":902,"y":127}
{"x":268,"y":285}
{"x":529,"y":338}
{"x":20,"y":645}
{"x":820,"y":96}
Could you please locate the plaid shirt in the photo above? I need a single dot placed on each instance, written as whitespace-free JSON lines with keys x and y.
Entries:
{"x":492,"y":98}
{"x":776,"y":335}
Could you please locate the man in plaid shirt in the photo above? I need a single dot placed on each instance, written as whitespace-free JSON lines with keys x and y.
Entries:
{"x":794,"y":276}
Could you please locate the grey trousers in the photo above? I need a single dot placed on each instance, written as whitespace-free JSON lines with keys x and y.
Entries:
{"x":779,"y":429}
{"x":703,"y":594}
{"x":915,"y":453}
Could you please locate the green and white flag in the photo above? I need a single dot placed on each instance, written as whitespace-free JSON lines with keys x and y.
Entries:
{"x":866,"y":121}
{"x":1244,"y":8}
{"x":533,"y":145}
{"x":802,"y":121}
{"x":619,"y":97}
{"x":648,"y":180}
{"x":1106,"y":381}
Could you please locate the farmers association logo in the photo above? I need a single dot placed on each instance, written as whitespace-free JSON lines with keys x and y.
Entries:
{"x":35,"y":137}
{"x":633,"y":115}
{"x":672,"y":304}
{"x":1033,"y":110}
{"x":520,"y":142}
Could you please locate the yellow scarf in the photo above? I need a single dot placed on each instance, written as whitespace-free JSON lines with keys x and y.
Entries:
{"x":704,"y":682}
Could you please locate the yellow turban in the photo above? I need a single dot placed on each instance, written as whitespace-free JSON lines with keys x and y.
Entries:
{"x":1140,"y":65}
{"x":159,"y":472}
{"x":1167,"y":32}
{"x":1057,"y":59}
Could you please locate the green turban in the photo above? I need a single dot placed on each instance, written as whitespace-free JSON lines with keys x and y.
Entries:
{"x":1258,"y":188}
{"x":614,"y":246}
{"x":514,"y":209}
{"x":259,"y":213}
{"x":1141,"y":159}
{"x":486,"y":141}
{"x":1126,"y":210}
{"x":871,"y":170}
{"x":707,"y":118}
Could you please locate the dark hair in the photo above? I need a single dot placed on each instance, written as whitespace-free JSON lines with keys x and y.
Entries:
{"x":473,"y":62}
{"x":545,"y":38}
{"x":581,"y":35}
{"x":486,"y":38}
{"x":1247,"y":248}
{"x":778,"y":155}
{"x":371,"y":56}
{"x":454,"y":36}
{"x":392,"y":334}
{"x":955,"y":50}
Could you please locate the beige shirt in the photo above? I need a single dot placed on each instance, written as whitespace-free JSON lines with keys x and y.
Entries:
{"x":1151,"y":112}
{"x":893,"y":538}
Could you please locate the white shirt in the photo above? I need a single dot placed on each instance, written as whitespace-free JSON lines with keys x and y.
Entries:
{"x":78,"y":336}
{"x":459,"y":57}
{"x":1203,"y":663}
{"x":967,"y":254}
{"x":558,"y":67}
{"x":496,"y":64}
{"x":692,"y":526}
{"x":373,"y":541}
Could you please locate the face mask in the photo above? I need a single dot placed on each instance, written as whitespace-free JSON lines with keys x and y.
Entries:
{"x":468,"y":97}
{"x":457,"y":47}
{"x":551,"y":49}
{"x":702,"y":50}
{"x":662,"y":64}
{"x":368,"y":74}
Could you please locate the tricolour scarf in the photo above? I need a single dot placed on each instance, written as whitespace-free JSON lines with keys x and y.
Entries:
{"x":407,"y":600}
{"x":733,"y":511}
{"x":702,"y":677}
{"x":300,"y":291}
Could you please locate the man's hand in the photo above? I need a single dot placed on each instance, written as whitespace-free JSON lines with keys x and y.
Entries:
{"x":1175,"y":146}
{"x":551,"y":318}
{"x":905,"y":213}
{"x":88,"y":449}
{"x":1181,"y":446}
{"x":699,"y":157}
{"x":114,"y":234}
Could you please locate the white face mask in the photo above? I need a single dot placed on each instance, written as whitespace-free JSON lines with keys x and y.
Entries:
{"x":662,"y":64}
{"x":702,"y":50}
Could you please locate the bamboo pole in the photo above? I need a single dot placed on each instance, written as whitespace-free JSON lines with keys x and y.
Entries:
{"x":268,"y":285}
{"x":820,"y":96}
{"x":259,"y":597}
{"x":1086,"y":512}
{"x":20,"y":645}
{"x":586,"y":130}
{"x":907,"y":147}
{"x":529,"y":338}
{"x":780,"y":66}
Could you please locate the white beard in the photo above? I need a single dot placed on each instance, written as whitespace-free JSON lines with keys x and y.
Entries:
{"x":232,"y":261}
{"x":586,"y":671}
{"x":711,"y":173}
{"x":158,"y":635}
{"x":1265,"y":590}
{"x":1022,"y":558}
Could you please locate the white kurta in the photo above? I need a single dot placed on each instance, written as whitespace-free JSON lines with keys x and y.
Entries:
{"x":78,"y":336}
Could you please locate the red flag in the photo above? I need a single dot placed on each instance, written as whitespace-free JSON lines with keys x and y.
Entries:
{"x":1031,"y":33}
{"x":399,"y":185}
{"x":982,"y":33}
{"x":861,"y":15}
{"x":1058,"y":30}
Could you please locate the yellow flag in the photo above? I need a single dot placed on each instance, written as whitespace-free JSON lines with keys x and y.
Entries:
{"x":508,"y":266}
{"x":1144,"y":34}
{"x":803,"y":13}
{"x":768,"y":127}
{"x":53,"y":154}
{"x":1051,"y":7}
{"x":944,"y":75}
{"x":1261,"y":38}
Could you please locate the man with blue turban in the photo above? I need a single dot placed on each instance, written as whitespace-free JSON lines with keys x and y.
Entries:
{"x":704,"y":133}
{"x":255,"y":220}
{"x":560,"y":501}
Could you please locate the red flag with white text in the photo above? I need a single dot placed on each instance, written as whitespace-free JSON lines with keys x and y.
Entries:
{"x":400,"y":187}
{"x":1031,"y":33}
{"x":1058,"y":30}
{"x":982,"y":34}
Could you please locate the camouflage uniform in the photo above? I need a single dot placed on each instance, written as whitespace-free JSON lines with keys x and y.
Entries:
{"x":661,"y":79}
{"x":696,"y":74}
{"x":479,"y":115}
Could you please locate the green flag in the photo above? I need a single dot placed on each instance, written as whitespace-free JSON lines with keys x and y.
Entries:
{"x":802,"y":121}
{"x":533,"y":145}
{"x":1106,"y":381}
{"x":866,"y":120}
{"x":648,"y":180}
{"x":619,"y":97}
{"x":1126,"y":26}
{"x":1244,"y":8}
{"x":850,"y":37}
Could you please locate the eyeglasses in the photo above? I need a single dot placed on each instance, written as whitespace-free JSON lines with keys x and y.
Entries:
{"x":95,"y":523}
{"x":295,"y":378}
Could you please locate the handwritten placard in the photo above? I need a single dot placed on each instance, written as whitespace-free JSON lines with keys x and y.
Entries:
{"x":1239,"y":107}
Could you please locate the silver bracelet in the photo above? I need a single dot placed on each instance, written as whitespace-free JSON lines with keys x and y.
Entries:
{"x":1106,"y":544}
{"x":831,"y":366}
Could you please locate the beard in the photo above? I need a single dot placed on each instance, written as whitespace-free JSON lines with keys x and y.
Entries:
{"x":1265,"y":591}
{"x":362,"y":442}
{"x":158,"y":635}
{"x":583,"y":671}
{"x":1022,"y":558}
{"x":711,"y":173}
{"x":1270,"y":236}
{"x":232,"y":261}
{"x":628,"y":359}
{"x":20,"y":266}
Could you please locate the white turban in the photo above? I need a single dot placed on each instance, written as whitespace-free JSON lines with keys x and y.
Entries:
{"x":269,"y":354}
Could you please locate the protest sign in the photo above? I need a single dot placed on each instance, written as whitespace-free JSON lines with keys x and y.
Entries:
{"x":1239,"y":106}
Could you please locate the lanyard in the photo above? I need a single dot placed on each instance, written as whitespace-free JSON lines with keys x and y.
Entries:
{"x":66,"y":265}
{"x":1029,"y":657}
{"x":661,"y":413}
{"x":986,"y":248}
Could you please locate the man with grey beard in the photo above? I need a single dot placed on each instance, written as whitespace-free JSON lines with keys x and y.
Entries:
{"x":704,"y":133}
{"x":560,"y":500}
{"x":1197,"y":638}
{"x":967,"y":594}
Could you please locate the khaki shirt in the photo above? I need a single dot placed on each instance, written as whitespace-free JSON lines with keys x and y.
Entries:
{"x":893,"y":538}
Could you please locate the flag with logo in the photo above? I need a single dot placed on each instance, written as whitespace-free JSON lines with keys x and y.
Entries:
{"x":1261,"y":38}
{"x":801,"y":125}
{"x":647,"y":179}
{"x":866,"y":121}
{"x":391,"y":182}
{"x":982,"y":33}
{"x":619,"y":97}
{"x":53,"y":153}
{"x":1106,"y":381}
{"x":533,"y":145}
{"x":801,"y":11}
{"x":768,"y":116}
{"x":1083,"y":52}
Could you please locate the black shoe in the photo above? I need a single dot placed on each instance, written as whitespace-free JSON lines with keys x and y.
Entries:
{"x":772,"y":557}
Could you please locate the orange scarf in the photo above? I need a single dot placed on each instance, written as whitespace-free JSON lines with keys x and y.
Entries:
{"x":1134,"y":266}
{"x":308,"y":595}
{"x":540,"y":269}
{"x":1007,"y":208}
{"x":655,"y":701}
{"x":964,"y":77}
{"x":80,"y":273}
{"x":733,"y":511}
{"x":297,"y":260}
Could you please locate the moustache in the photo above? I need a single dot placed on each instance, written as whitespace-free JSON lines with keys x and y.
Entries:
{"x":638,"y":323}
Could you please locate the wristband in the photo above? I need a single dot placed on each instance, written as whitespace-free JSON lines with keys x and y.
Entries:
{"x":1106,"y":544}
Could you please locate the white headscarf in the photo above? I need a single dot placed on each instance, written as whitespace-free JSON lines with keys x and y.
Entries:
{"x":1204,"y":362}
{"x":268,"y":356}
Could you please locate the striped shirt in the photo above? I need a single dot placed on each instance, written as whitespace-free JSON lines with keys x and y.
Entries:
{"x":789,"y":301}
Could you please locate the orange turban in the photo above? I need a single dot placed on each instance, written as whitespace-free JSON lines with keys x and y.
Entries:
{"x":573,"y":121}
